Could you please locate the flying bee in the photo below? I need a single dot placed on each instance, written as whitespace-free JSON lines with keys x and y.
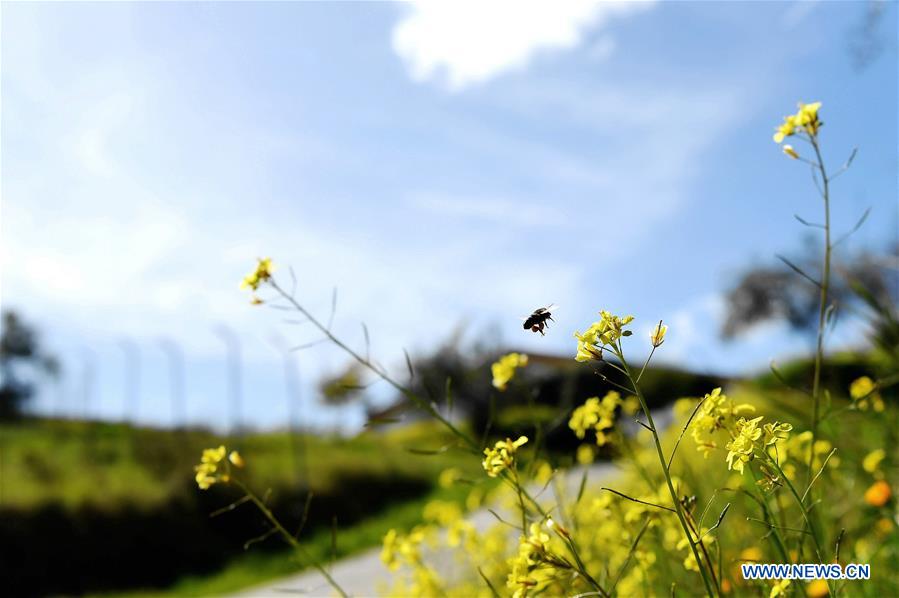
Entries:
{"x":537,"y":321}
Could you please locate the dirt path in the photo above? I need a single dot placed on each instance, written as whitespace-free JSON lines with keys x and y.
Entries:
{"x":359,"y":575}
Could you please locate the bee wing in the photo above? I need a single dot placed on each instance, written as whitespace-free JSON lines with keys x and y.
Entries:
{"x":551,"y":307}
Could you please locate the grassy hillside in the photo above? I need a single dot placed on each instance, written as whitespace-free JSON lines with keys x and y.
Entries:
{"x":114,"y":507}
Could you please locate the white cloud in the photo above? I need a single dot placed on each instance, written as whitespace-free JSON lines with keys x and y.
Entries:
{"x":91,"y":148}
{"x":494,"y":210}
{"x":602,"y":49}
{"x":467,"y":42}
{"x":797,"y":13}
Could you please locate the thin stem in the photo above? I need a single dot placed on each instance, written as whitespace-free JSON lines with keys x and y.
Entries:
{"x":822,"y":307}
{"x":710,"y":589}
{"x":288,"y":537}
{"x":630,"y":554}
{"x":684,"y":431}
{"x":648,"y":359}
{"x":637,"y":500}
{"x":368,"y":364}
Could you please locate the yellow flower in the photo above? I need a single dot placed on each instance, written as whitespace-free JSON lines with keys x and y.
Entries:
{"x":788,"y":150}
{"x":871,"y":462}
{"x":657,"y":336}
{"x":600,"y":334}
{"x":586,"y":344}
{"x":213,"y":455}
{"x":717,"y":412}
{"x":596,"y":415}
{"x":543,"y":472}
{"x":684,"y":407}
{"x":786,"y":129}
{"x":861,"y":388}
{"x":864,"y":393}
{"x":442,"y":512}
{"x":807,"y":117}
{"x":631,"y":405}
{"x":585,"y":454}
{"x":457,"y":532}
{"x":817,"y":589}
{"x":396,"y":548}
{"x":741,"y":447}
{"x":779,"y":588}
{"x":504,"y":369}
{"x":690,"y":560}
{"x":389,"y":551}
{"x":752,"y":554}
{"x":535,"y":544}
{"x":776,"y":432}
{"x":585,"y":417}
{"x":878,"y":494}
{"x":235,"y":459}
{"x":449,"y":476}
{"x":262,"y":273}
{"x":501,"y":456}
{"x":207,"y":471}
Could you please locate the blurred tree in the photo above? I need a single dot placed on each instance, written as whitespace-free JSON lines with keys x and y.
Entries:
{"x":20,"y":349}
{"x":770,"y":293}
{"x":344,"y":387}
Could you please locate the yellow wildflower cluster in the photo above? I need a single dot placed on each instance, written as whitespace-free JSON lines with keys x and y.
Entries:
{"x":747,"y":436}
{"x":504,"y":369}
{"x":597,"y":415}
{"x":501,"y":456}
{"x":717,"y":412}
{"x":405,"y":550}
{"x":740,"y":449}
{"x":605,"y":332}
{"x":533,"y":569}
{"x":864,"y":395}
{"x":405,"y":553}
{"x":262,"y":273}
{"x":683,"y":545}
{"x":213,"y":468}
{"x":805,"y":119}
{"x":399,"y":549}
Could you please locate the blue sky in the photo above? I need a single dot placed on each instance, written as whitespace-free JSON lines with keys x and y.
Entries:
{"x":440,"y":164}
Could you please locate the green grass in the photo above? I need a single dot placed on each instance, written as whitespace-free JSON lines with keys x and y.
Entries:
{"x":107,"y":465}
{"x":118,"y":469}
{"x":255,"y":567}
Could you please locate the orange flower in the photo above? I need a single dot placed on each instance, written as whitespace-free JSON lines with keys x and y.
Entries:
{"x":816,"y":589}
{"x":878,"y":494}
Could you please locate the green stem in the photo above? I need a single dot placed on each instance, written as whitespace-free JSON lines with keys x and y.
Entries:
{"x":288,"y":537}
{"x":710,"y":589}
{"x":370,"y":366}
{"x":805,"y":515}
{"x":822,"y":307}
